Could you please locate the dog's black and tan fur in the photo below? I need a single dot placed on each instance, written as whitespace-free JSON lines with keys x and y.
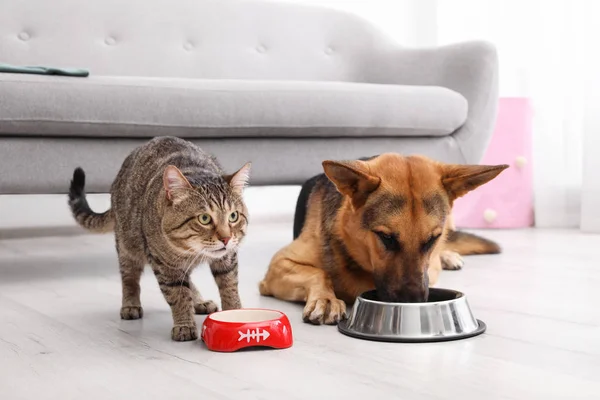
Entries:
{"x":382,"y":223}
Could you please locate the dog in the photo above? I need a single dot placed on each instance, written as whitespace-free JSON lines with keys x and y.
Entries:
{"x":380,"y":223}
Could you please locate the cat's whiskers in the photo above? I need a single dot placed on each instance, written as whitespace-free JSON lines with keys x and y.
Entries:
{"x":183,"y":257}
{"x":191,"y":261}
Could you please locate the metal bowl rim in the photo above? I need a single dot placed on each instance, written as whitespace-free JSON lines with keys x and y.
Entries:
{"x":345,"y":330}
{"x":460,"y":295}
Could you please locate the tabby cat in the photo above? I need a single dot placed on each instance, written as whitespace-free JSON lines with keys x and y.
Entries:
{"x":172,"y":207}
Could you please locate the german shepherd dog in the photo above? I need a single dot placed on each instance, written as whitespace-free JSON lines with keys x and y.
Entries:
{"x":380,"y":223}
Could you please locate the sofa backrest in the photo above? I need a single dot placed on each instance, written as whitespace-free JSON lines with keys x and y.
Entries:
{"x":227,"y":39}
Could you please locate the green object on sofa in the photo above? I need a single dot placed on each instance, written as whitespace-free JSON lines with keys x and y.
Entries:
{"x":15,"y":69}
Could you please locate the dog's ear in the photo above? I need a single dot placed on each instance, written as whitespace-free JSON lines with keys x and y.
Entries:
{"x":458,"y":180}
{"x":352,"y":179}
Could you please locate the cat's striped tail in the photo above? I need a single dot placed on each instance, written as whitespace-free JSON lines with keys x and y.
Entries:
{"x":83,"y":214}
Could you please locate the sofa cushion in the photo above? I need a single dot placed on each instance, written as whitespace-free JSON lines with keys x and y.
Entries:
{"x":195,"y":108}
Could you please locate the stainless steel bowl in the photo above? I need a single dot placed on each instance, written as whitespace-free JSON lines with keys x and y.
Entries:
{"x":445,"y":316}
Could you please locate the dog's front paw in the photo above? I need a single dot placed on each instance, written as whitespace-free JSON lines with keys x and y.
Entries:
{"x":324,"y":310}
{"x":184,"y":333}
{"x":206,"y":307}
{"x":451,"y":260}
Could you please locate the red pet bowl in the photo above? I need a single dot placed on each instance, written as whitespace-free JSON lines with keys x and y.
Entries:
{"x":233,"y":330}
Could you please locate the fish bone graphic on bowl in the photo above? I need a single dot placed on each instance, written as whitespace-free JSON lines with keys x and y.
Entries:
{"x":233,"y":330}
{"x":255,"y":334}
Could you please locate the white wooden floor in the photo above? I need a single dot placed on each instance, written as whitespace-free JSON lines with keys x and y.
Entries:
{"x":61,"y":336}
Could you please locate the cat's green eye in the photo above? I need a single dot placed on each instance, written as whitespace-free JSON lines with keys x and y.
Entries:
{"x":234,"y":216}
{"x":204,"y":219}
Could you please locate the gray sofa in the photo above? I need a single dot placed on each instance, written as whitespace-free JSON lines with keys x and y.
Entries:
{"x":282,"y":85}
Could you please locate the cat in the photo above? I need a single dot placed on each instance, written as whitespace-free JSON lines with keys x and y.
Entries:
{"x":172,"y":207}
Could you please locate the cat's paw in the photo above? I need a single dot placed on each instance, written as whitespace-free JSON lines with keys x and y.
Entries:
{"x":451,"y":260}
{"x":132,"y":312}
{"x":326,"y":310}
{"x":206,"y":307}
{"x":184,"y":333}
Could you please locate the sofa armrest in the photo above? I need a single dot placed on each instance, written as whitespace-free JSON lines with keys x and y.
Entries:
{"x":469,"y":68}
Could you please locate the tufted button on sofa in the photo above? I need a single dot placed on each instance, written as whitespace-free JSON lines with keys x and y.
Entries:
{"x":282,"y":85}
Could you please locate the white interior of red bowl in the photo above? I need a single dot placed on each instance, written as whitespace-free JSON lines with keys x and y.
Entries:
{"x":245,"y":315}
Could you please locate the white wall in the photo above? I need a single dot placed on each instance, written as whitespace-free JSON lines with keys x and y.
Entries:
{"x":410,"y":22}
{"x":590,"y":198}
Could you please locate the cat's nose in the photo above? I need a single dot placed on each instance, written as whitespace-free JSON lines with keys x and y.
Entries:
{"x":225,"y":240}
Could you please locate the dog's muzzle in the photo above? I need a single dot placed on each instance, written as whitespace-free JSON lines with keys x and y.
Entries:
{"x":415,"y":290}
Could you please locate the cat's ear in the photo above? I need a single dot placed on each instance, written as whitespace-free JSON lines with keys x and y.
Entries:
{"x":174,"y":180}
{"x":239,"y":180}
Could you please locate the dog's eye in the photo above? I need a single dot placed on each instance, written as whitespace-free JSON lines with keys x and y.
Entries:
{"x":389,"y":241}
{"x":425,"y":247}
